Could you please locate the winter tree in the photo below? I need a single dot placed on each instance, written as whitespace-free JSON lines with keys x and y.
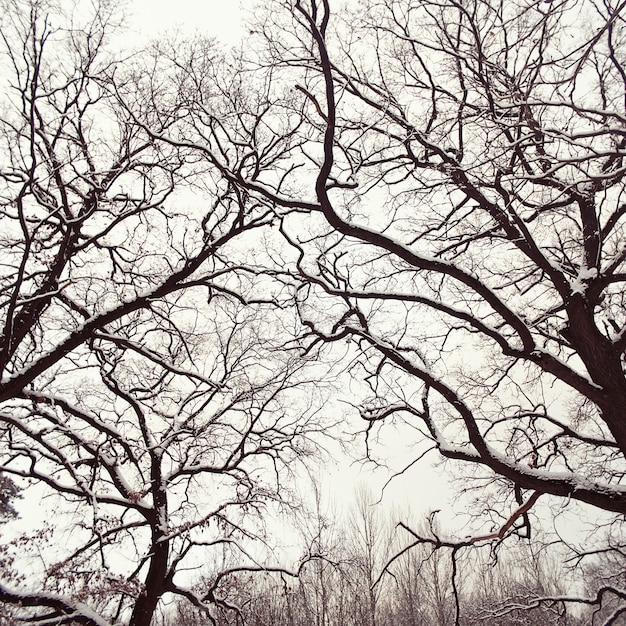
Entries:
{"x":451,"y":183}
{"x":436,"y":187}
{"x":149,"y":376}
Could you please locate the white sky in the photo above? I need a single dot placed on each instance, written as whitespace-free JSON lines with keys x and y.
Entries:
{"x":218,"y":18}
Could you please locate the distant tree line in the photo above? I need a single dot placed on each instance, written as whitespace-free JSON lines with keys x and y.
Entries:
{"x":350,"y":582}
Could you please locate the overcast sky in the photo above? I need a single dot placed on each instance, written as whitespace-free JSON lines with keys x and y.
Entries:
{"x":218,"y":18}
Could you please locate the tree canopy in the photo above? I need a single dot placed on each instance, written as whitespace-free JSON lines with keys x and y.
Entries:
{"x":427,"y":196}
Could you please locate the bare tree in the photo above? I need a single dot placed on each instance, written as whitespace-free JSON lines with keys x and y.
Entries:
{"x":492,"y":211}
{"x":451,"y":181}
{"x":320,"y":596}
{"x":368,"y":545}
{"x":147,"y":376}
{"x":508,"y":578}
{"x":437,"y":186}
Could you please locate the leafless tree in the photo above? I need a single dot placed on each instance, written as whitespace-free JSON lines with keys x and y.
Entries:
{"x":438,"y":186}
{"x":424,"y":593}
{"x":148,"y":374}
{"x":507,"y":240}
{"x":369,"y":543}
{"x":451,"y":182}
{"x":505,"y":581}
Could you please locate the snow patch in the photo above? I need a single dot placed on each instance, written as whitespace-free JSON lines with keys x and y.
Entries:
{"x":585,"y":276}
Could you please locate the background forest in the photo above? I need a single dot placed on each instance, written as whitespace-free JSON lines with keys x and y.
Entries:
{"x":389,"y":232}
